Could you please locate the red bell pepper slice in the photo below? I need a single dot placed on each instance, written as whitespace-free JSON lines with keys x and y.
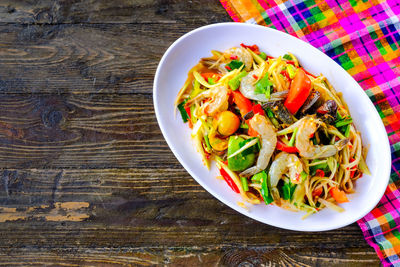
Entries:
{"x":242,"y":102}
{"x":257,"y":109}
{"x":353,"y":171}
{"x":187,"y":109}
{"x":312,"y":75}
{"x":229,"y":180}
{"x":286,"y":74}
{"x":283,"y":147}
{"x":253,"y":48}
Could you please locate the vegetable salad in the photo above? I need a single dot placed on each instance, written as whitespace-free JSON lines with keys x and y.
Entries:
{"x":277,"y":133}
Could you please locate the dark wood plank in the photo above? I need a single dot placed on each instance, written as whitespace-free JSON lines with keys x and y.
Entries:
{"x":81,"y":131}
{"x":100,"y":210}
{"x":99,"y":58}
{"x":116,"y":11}
{"x":46,"y":56}
{"x":212,"y":256}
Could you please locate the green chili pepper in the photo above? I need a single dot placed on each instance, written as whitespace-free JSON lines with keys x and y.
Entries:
{"x":257,"y":178}
{"x":181,"y":107}
{"x":343,"y":122}
{"x":207,"y":141}
{"x":270,"y":114}
{"x":347,"y":131}
{"x":287,"y":190}
{"x":244,"y":184}
{"x":263,"y":55}
{"x":291,"y":142}
{"x":265,"y":193}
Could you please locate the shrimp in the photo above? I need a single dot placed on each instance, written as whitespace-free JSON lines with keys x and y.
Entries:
{"x":219,"y":100}
{"x":306,"y":129}
{"x":247,"y":85}
{"x":242,"y":55}
{"x":235,"y":52}
{"x":283,"y":163}
{"x":268,"y":142}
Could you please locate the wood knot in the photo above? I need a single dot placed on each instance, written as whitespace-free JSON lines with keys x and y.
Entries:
{"x":255,"y":257}
{"x":10,"y":9}
{"x":51,"y":117}
{"x":13,"y":182}
{"x":162,"y":7}
{"x":43,"y":16}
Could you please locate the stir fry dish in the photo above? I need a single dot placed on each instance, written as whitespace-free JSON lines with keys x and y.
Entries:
{"x":277,"y":133}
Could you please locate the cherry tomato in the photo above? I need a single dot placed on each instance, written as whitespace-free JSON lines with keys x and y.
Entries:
{"x":217,"y":143}
{"x":227,"y":123}
{"x":299,"y":90}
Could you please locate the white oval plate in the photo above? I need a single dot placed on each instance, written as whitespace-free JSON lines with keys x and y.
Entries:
{"x":186,"y":52}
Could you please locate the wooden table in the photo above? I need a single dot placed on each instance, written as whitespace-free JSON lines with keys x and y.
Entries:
{"x":86,"y":176}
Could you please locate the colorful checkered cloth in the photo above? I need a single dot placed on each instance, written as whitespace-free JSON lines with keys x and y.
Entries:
{"x":363,"y":37}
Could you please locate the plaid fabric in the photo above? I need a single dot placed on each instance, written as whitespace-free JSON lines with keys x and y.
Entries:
{"x":363,"y":37}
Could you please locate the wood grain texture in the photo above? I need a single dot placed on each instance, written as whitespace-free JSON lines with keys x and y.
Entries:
{"x":53,"y":52}
{"x":132,"y":214}
{"x":73,"y":58}
{"x":81,"y":131}
{"x":116,"y":11}
{"x":212,"y":256}
{"x":86,"y":176}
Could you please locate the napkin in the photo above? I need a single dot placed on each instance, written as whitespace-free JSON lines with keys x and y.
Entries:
{"x":364,"y":38}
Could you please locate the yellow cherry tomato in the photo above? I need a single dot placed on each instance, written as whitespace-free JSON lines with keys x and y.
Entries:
{"x":217,"y":143}
{"x":227,"y":122}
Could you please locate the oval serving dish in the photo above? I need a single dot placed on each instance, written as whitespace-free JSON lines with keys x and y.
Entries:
{"x":190,"y":48}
